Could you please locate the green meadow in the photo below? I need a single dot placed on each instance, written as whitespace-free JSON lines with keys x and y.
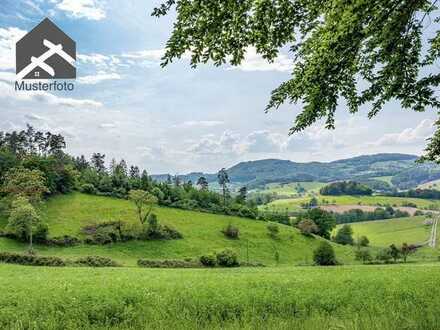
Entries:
{"x":67,"y":214}
{"x":349,"y":297}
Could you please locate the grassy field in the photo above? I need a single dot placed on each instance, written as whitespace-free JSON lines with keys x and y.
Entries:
{"x":294,"y":204}
{"x":290,"y":189}
{"x":350,"y":297}
{"x":385,"y":232}
{"x":430,"y":185}
{"x":66,"y":214}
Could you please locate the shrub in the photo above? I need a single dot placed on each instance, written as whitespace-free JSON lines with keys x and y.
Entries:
{"x":88,"y":188}
{"x":307,"y":227}
{"x":273,"y":230}
{"x":65,"y":240}
{"x":96,"y":261}
{"x":231,"y":231}
{"x":227,"y":258}
{"x":363,"y":255}
{"x":31,"y":260}
{"x":153,"y":230}
{"x":167,"y":263}
{"x":363,"y":241}
{"x":324,"y":255}
{"x":344,"y":235}
{"x":384,"y":255}
{"x":208,"y":260}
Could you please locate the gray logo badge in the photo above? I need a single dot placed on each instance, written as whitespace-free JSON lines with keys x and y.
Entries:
{"x":46,"y":52}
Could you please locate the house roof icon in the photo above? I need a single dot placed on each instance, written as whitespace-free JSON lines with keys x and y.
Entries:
{"x":46,"y":52}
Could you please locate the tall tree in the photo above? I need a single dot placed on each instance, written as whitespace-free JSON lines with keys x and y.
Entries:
{"x":223,"y":180}
{"x":203,"y":183}
{"x":98,"y":162}
{"x":24,"y":182}
{"x":366,"y":52}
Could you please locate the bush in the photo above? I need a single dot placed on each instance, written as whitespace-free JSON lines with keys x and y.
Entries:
{"x":344,"y":235}
{"x":153,"y":230}
{"x":384,"y":255}
{"x":208,"y":260}
{"x":167,"y":263}
{"x":307,"y":227}
{"x":227,"y":258}
{"x":88,"y":188}
{"x":65,"y":240}
{"x":324,"y":255}
{"x":96,"y":261}
{"x":363,"y":255}
{"x":363,"y":241}
{"x":31,"y":260}
{"x":273,"y":230}
{"x":231,"y":232}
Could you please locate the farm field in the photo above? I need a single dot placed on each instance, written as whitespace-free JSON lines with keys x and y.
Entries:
{"x":294,"y":204}
{"x":350,"y":297}
{"x":430,"y":185}
{"x":66,"y":214}
{"x":382,"y":233}
{"x":290,"y":189}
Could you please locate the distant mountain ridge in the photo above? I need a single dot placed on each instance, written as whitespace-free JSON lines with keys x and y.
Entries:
{"x":403,"y":169}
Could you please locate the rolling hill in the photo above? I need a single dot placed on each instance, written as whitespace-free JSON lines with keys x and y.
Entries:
{"x":67,"y":214}
{"x":401,"y":170}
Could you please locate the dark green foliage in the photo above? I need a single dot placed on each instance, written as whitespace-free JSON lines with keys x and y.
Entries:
{"x":88,"y":188}
{"x":231,"y":231}
{"x":418,"y":193}
{"x":352,"y":52}
{"x":363,"y":255}
{"x":65,"y":241}
{"x":167,"y":263}
{"x":276,"y":217}
{"x":325,"y":221}
{"x":153,"y":230}
{"x":324,"y":255}
{"x":273,"y":230}
{"x":394,"y":252}
{"x":96,"y":261}
{"x":227,"y":258}
{"x":31,"y":260}
{"x":363,"y":241}
{"x":345,"y":188}
{"x":357,"y":215}
{"x":344,"y":235}
{"x":208,"y":260}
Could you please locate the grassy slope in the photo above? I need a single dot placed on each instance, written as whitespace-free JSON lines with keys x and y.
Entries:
{"x":351,"y":297}
{"x":435,"y":184}
{"x":202,"y":233}
{"x":294,"y":204}
{"x":290,"y":188}
{"x":385,"y":232}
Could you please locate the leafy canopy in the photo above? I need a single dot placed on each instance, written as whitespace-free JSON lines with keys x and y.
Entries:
{"x":367,"y":52}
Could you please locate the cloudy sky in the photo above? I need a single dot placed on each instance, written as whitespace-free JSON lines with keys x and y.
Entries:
{"x":175,"y":119}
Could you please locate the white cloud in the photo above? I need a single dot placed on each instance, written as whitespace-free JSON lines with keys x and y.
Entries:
{"x":107,"y":125}
{"x":8,"y":38}
{"x":94,"y":58}
{"x":408,"y":136}
{"x":263,"y":142}
{"x":7,"y":91}
{"x":148,"y":55}
{"x":200,"y":123}
{"x":89,"y":9}
{"x":34,"y":117}
{"x":255,"y":62}
{"x":99,"y":77}
{"x":227,"y":143}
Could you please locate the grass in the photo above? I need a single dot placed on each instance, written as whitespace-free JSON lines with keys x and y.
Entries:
{"x":294,"y":204}
{"x":393,"y":231}
{"x":289,"y":189}
{"x":66,"y":214}
{"x":435,"y":185}
{"x":386,"y":179}
{"x":350,"y":297}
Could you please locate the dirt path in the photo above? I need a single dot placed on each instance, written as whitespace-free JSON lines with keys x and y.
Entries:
{"x":433,"y":239}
